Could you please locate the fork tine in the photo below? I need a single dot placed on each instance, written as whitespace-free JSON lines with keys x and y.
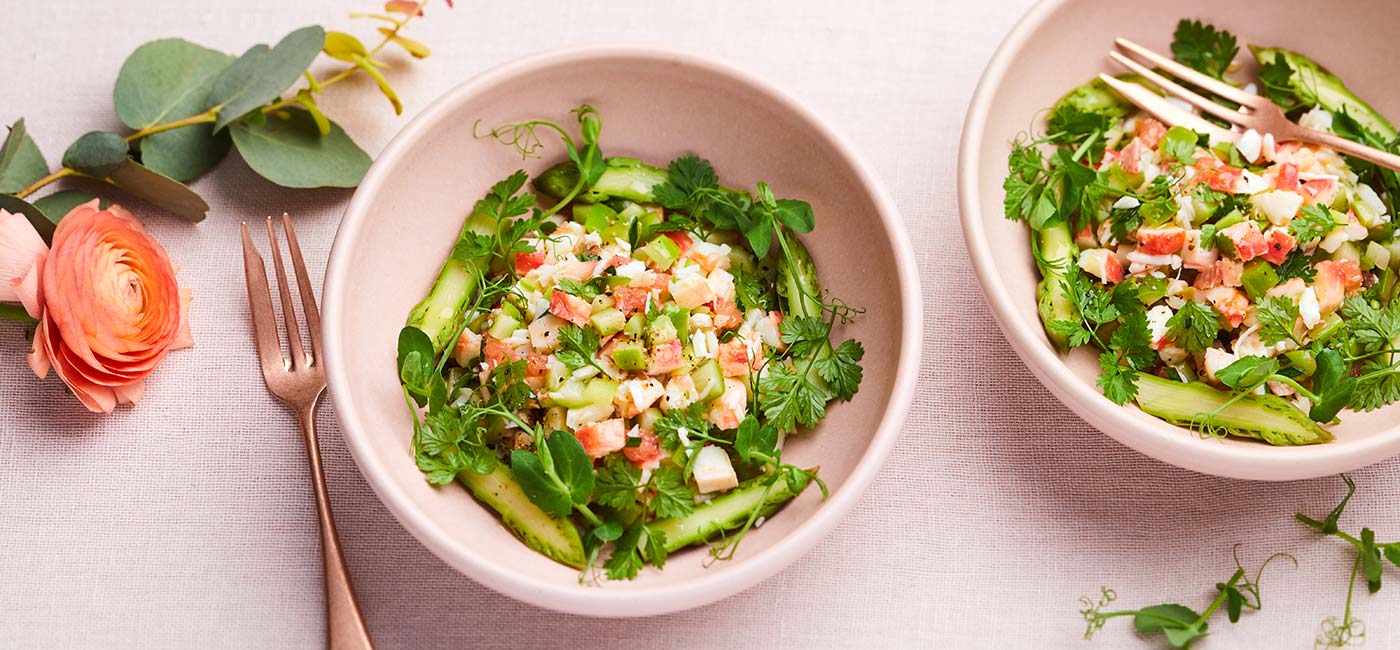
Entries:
{"x":1165,"y":111}
{"x":1188,"y":75}
{"x":1178,"y":90}
{"x":289,"y":313}
{"x":308,"y":297}
{"x":260,"y":306}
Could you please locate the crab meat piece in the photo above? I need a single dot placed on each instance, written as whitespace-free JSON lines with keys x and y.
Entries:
{"x":712,"y":471}
{"x":731,"y":407}
{"x":468,"y":347}
{"x":647,"y":454}
{"x":1335,"y":279}
{"x":680,"y":393}
{"x":1161,"y":241}
{"x":1130,"y":158}
{"x":1280,"y":243}
{"x":1285,"y":176}
{"x":1280,"y":206}
{"x":1215,"y":360}
{"x":734,"y":358}
{"x":1231,"y":304}
{"x":1248,"y":241}
{"x":571,"y":308}
{"x":721,"y":283}
{"x":603,"y":438}
{"x":637,"y":395}
{"x":1193,"y":255}
{"x":1150,"y":131}
{"x":1102,"y":264}
{"x":665,"y":357}
{"x":691,"y":291}
{"x":544,"y":333}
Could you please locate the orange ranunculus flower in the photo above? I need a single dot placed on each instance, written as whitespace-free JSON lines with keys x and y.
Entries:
{"x":108,"y":306}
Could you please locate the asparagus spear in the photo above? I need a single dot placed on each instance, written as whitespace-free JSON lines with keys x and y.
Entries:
{"x":1313,"y":84}
{"x":727,"y":512}
{"x":1193,"y":405}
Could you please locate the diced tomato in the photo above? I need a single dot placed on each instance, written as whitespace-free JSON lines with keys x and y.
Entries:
{"x":571,"y":308}
{"x":603,"y":438}
{"x":1150,"y":131}
{"x":1281,"y":243}
{"x":1130,"y":158}
{"x":734,"y":358}
{"x":1230,"y":303}
{"x":648,"y":453}
{"x":681,"y":238}
{"x":1287,"y":177}
{"x":1249,"y":242}
{"x":1161,"y":241}
{"x":630,"y":300}
{"x":665,"y":357}
{"x":526,"y":262}
{"x":497,"y":352}
{"x":1335,"y":279}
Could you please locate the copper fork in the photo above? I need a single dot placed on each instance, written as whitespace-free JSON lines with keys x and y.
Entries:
{"x":298,"y":382}
{"x":1256,"y":112}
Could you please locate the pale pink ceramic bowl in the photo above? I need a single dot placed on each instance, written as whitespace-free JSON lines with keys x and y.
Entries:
{"x":655,"y":105}
{"x":1063,"y":43}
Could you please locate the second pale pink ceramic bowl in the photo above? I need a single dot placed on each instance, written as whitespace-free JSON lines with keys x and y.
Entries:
{"x":1063,"y":43}
{"x":655,"y":105}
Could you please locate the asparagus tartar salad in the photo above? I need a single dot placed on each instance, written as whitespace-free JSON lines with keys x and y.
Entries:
{"x":1243,"y":289}
{"x":613,"y":367}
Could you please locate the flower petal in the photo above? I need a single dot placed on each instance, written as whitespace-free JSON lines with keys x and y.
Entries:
{"x":19,"y":245}
{"x":27,"y":289}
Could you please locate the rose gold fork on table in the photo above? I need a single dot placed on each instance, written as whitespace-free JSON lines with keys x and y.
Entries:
{"x":298,"y":383}
{"x":1255,"y":113}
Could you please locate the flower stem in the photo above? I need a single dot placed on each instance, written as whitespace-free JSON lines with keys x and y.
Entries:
{"x":203,"y":118}
{"x":60,"y":173}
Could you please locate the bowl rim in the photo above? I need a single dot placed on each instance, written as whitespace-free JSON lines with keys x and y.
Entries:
{"x":1130,"y":427}
{"x":641,"y":601}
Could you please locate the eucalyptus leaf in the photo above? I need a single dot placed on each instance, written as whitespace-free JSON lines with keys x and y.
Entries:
{"x":168,"y":80}
{"x":41,"y":220}
{"x":56,"y":206}
{"x":263,"y":73}
{"x":15,"y":312}
{"x":290,"y":151}
{"x":159,"y":190}
{"x":97,"y":153}
{"x":345,"y":47}
{"x":21,"y":163}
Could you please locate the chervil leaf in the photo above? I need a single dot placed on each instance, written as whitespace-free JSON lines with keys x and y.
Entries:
{"x":1370,"y":326}
{"x":690,"y":173}
{"x":1378,"y":385}
{"x":1277,"y":317}
{"x":617,"y":483}
{"x":1073,"y":331}
{"x":472,"y":246}
{"x":1118,"y":382}
{"x":1203,"y":47}
{"x":1276,"y":77}
{"x":1193,"y":327}
{"x":754,"y":438}
{"x":803,"y":334}
{"x":1314,"y":222}
{"x":670,"y":497}
{"x":751,"y":291}
{"x":789,"y":398}
{"x":1133,"y":341}
{"x":653,"y":547}
{"x":690,"y":419}
{"x":577,"y":346}
{"x":626,"y":560}
{"x":841,"y":369}
{"x":1296,"y":265}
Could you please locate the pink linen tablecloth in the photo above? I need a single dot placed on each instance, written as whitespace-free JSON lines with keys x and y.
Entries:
{"x":188,"y":521}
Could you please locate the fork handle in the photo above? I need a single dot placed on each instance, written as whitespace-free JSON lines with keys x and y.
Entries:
{"x":345,"y":627}
{"x":1356,"y":149}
